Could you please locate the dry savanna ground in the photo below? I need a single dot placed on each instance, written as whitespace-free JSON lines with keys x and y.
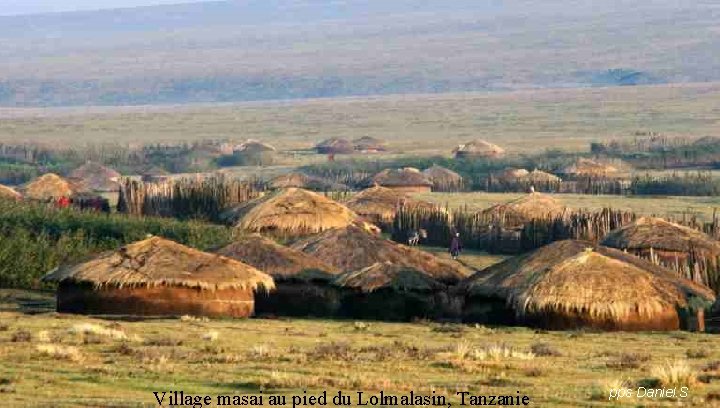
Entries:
{"x":63,"y":360}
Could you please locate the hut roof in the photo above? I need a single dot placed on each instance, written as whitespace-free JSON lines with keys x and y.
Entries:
{"x":351,"y":248}
{"x":479,"y":148}
{"x":539,"y":176}
{"x":157,"y":261}
{"x":292,"y":210}
{"x":335,"y":145}
{"x":155,"y":171}
{"x":253,"y":146}
{"x":441,"y":175}
{"x":531,"y":206}
{"x":8,"y":192}
{"x":51,"y":185}
{"x":383,"y":203}
{"x":656,"y":233}
{"x":300,"y":180}
{"x":387,"y":275}
{"x":511,"y":174}
{"x":589,"y":167}
{"x":572,"y":276}
{"x":96,"y":177}
{"x":277,"y":260}
{"x":407,"y":176}
{"x":368,"y":143}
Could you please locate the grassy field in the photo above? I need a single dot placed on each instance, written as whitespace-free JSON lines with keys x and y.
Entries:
{"x":47,"y":359}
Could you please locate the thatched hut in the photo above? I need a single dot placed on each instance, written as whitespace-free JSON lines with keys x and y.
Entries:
{"x":155,"y":174}
{"x":290,"y":212}
{"x":351,"y":249}
{"x":254,"y":153}
{"x":510,"y":175}
{"x":572,"y":284}
{"x":158,"y":277}
{"x":9,"y":193}
{"x":539,"y":177}
{"x":584,"y":167}
{"x":524,"y":209}
{"x":368,"y":144}
{"x":408,"y":179}
{"x":335,"y":146}
{"x":690,"y":252}
{"x":388,"y":291}
{"x":96,"y":177}
{"x":443,"y":179}
{"x":300,"y":180}
{"x":478,"y":149}
{"x":302,"y":282}
{"x":380,"y":204}
{"x":51,"y":186}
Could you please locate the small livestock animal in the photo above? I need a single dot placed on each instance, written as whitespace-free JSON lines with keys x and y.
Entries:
{"x":415,"y":236}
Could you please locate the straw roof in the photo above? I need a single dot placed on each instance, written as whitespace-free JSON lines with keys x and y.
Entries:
{"x":539,"y":176}
{"x":656,"y":233}
{"x":8,"y":192}
{"x":387,"y":275}
{"x":253,"y":146}
{"x":407,"y":176}
{"x":368,"y":143}
{"x":96,"y":177}
{"x":292,"y":210}
{"x":531,"y":206}
{"x":51,"y":185}
{"x":589,"y":167}
{"x":277,"y":260}
{"x":300,"y":180}
{"x":351,"y":248}
{"x":382,"y":203}
{"x":440,"y":175}
{"x":573,"y":277}
{"x":478,"y":148}
{"x":511,"y":174}
{"x":335,"y":145}
{"x":157,"y":261}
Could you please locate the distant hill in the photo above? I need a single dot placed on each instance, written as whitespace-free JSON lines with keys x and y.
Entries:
{"x":285,"y":49}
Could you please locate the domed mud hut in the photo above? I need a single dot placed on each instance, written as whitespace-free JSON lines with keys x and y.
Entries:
{"x":584,"y":167}
{"x":158,"y":277}
{"x":478,"y":149}
{"x":571,"y":284}
{"x":369,"y":144}
{"x":408,"y":180}
{"x":51,"y":186}
{"x":539,"y":177}
{"x":300,"y":180}
{"x":351,"y":249}
{"x":524,"y":209}
{"x":387,"y":291}
{"x":254,"y":153}
{"x":379,"y":205}
{"x":9,"y":193}
{"x":96,"y":177}
{"x":691,"y":253}
{"x":290,"y":212}
{"x":443,"y":179}
{"x":335,"y":146}
{"x":510,"y":175}
{"x":302,"y":282}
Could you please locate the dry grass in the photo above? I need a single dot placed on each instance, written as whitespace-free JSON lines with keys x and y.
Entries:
{"x":60,"y":352}
{"x":676,"y":373}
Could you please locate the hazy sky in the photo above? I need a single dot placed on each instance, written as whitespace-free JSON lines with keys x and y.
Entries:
{"x":14,"y":7}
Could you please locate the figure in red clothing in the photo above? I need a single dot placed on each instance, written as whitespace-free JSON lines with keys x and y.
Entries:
{"x":63,"y":202}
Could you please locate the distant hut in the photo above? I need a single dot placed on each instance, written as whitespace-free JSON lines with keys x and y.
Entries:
{"x":335,"y":146}
{"x":443,"y":179}
{"x":584,"y":167}
{"x":351,"y":249}
{"x":300,"y":180}
{"x":368,"y":144}
{"x":9,"y":193}
{"x":388,"y":291}
{"x":510,"y":175}
{"x":478,"y":149}
{"x":51,"y":186}
{"x":408,"y":179}
{"x":302,"y":282}
{"x":96,"y":177}
{"x":524,"y":209}
{"x":290,"y":212}
{"x":158,"y":277}
{"x":539,"y":177}
{"x":380,"y":204}
{"x":571,"y":284}
{"x":690,"y":252}
{"x":254,"y":153}
{"x":155,"y":174}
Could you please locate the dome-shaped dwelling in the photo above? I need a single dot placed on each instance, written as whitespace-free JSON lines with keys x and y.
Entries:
{"x":335,"y":146}
{"x":51,"y":186}
{"x":290,"y":212}
{"x":368,"y":144}
{"x":300,"y":180}
{"x":571,"y":284}
{"x":478,"y":149}
{"x":584,"y":167}
{"x":96,"y":177}
{"x":155,"y":174}
{"x":379,"y":205}
{"x":254,"y":153}
{"x":408,"y":180}
{"x":510,"y":175}
{"x":522,"y":210}
{"x":158,"y":277}
{"x":539,"y":177}
{"x":443,"y":179}
{"x":302,"y":282}
{"x":691,"y":253}
{"x":9,"y":193}
{"x":388,"y":291}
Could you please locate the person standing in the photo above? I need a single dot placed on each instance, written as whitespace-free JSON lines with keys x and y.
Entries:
{"x":455,"y":246}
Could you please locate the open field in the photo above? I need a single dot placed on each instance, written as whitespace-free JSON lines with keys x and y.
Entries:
{"x":48,"y":358}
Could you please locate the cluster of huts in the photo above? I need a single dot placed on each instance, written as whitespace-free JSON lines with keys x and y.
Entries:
{"x":299,"y":253}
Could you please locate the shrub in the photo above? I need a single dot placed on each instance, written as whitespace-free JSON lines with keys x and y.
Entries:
{"x":545,"y":350}
{"x":675,"y":374}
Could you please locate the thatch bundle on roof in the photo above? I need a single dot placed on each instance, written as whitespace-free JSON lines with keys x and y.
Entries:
{"x":524,"y":209}
{"x":290,"y":212}
{"x":49,"y":186}
{"x":584,"y":167}
{"x":380,"y":204}
{"x":300,"y":180}
{"x":571,"y":284}
{"x":407,"y":179}
{"x":159,"y":277}
{"x":443,"y":179}
{"x":96,"y":177}
{"x":9,"y":193}
{"x":335,"y":146}
{"x":388,"y":291}
{"x":369,"y":144}
{"x":351,"y":248}
{"x":478,"y":149}
{"x":254,"y":153}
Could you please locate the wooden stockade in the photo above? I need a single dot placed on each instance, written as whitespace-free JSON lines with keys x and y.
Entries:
{"x":185,"y":198}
